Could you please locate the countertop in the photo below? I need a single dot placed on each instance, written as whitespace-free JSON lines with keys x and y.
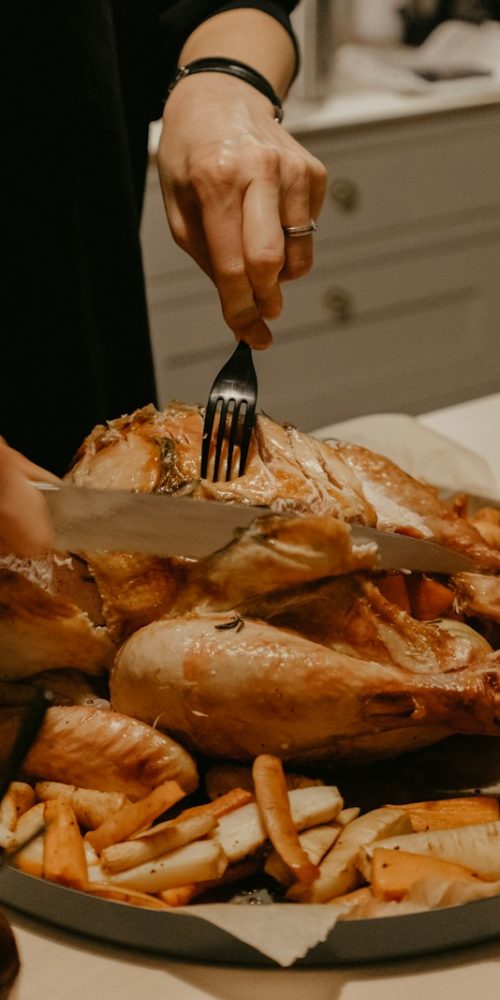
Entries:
{"x":65,"y":967}
{"x":348,"y":106}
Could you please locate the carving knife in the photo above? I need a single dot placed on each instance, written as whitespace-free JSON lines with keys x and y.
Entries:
{"x":397,"y":551}
{"x":96,"y":520}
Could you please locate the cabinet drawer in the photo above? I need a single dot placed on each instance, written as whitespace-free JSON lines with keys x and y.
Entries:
{"x":333,"y":295}
{"x":337,"y":295}
{"x":409,"y":175}
{"x":420,"y":333}
{"x":412,"y":360}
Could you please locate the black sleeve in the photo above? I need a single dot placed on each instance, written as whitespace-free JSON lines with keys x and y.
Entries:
{"x":179,"y":19}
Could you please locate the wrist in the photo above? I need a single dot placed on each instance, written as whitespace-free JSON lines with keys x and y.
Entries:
{"x":230,"y":67}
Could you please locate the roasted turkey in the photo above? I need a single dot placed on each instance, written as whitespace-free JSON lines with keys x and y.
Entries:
{"x":285,"y":641}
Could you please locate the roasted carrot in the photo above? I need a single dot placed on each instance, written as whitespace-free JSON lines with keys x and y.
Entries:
{"x":233,"y":799}
{"x":63,"y":850}
{"x":393,"y":588}
{"x":181,"y":895}
{"x":429,"y":599}
{"x":135,"y":816}
{"x":441,"y":814}
{"x":394,"y":872}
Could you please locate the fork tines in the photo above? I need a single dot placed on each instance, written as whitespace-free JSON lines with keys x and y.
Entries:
{"x":233,"y":398}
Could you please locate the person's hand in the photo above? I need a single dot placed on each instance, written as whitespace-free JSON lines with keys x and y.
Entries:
{"x":24,"y":524}
{"x":232,"y":177}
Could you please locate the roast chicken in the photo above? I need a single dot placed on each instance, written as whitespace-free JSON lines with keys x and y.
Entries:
{"x":286,"y":641}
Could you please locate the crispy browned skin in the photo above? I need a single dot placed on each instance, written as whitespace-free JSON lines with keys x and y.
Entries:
{"x":107,"y":751}
{"x":237,"y":692}
{"x":39,"y":629}
{"x":136,"y":589}
{"x":350,"y":615}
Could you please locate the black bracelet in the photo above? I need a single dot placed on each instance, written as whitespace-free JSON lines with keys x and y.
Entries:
{"x":219,"y":64}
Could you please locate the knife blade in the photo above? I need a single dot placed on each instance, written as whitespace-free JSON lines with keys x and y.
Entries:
{"x":405,"y":552}
{"x":96,"y":520}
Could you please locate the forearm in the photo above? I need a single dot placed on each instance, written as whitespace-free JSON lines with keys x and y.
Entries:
{"x":249,"y":35}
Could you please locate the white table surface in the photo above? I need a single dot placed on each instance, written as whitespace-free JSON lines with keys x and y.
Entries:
{"x":59,"y":966}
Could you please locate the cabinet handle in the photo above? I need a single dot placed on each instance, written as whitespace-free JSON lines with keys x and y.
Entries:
{"x":339,"y":303}
{"x":344,"y":194}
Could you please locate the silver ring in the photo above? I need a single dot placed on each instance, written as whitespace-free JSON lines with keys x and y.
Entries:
{"x":301,"y":230}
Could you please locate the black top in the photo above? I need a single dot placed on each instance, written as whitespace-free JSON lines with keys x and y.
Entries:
{"x":82,"y":79}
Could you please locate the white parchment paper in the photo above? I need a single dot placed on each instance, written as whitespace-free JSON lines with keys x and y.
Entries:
{"x":282,"y":931}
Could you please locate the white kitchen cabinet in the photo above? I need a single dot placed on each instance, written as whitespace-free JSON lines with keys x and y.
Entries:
{"x":401,"y":310}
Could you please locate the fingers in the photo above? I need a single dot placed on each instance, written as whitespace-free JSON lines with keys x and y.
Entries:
{"x":250,"y":258}
{"x":243,"y":225}
{"x":263,"y":244}
{"x":301,"y":202}
{"x":230,"y":183}
{"x":184,"y":219}
{"x":213,"y":237}
{"x":24,"y":524}
{"x":244,"y":261}
{"x":296,"y":211}
{"x":32,"y":471}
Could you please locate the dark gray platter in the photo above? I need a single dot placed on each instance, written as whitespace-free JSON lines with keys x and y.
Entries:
{"x":190,"y":938}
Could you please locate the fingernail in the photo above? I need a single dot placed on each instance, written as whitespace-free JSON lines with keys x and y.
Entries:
{"x":260,"y":340}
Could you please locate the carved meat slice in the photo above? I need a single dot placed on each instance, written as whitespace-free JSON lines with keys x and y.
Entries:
{"x":237,"y":692}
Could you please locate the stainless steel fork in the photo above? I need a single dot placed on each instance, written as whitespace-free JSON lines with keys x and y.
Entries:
{"x":233,"y":397}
